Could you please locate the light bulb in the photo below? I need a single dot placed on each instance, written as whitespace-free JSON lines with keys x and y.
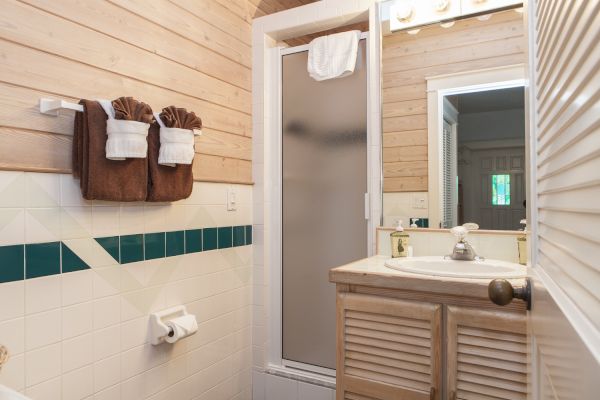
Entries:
{"x":519,"y":10}
{"x":484,"y":17}
{"x":448,"y":24}
{"x":413,"y":31}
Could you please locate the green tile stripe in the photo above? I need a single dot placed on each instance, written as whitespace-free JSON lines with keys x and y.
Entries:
{"x":150,"y":246}
{"x":27,"y":261}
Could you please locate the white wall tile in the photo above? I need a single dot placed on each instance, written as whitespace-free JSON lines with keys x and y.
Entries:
{"x":258,"y":385}
{"x":107,"y":342}
{"x":49,"y":390}
{"x":13,"y":372}
{"x":105,"y":220}
{"x":78,"y":384}
{"x":107,"y":372}
{"x":75,"y":222}
{"x":77,"y":352}
{"x":42,"y":364}
{"x":42,"y":294}
{"x":12,"y":300}
{"x":77,"y":319}
{"x":70,"y":192}
{"x":131,"y":220}
{"x":279,"y":388}
{"x":12,"y":189}
{"x":107,"y":311}
{"x":42,"y":225}
{"x":12,"y":334}
{"x":43,"y":329}
{"x":77,"y":287}
{"x":306,"y":391}
{"x":42,"y":190}
{"x":12,"y":226}
{"x":84,"y":335}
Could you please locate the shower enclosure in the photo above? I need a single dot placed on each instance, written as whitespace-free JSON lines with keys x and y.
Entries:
{"x":323,"y":188}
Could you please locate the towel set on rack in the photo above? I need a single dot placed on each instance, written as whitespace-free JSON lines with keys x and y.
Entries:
{"x":122,"y":153}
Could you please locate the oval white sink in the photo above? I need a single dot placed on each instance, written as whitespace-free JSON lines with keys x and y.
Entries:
{"x":438,"y":266}
{"x":9,"y":394}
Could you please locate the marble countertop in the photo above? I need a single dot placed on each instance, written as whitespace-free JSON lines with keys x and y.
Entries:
{"x":372,"y":272}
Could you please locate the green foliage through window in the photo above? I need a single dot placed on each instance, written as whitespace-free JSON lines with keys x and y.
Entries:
{"x":501,"y":190}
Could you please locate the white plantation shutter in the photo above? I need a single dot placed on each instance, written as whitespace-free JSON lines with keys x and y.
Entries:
{"x":567,"y":118}
{"x":449,"y":170}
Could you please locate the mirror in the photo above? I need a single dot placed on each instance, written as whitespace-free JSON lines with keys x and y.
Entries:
{"x":483,"y":162}
{"x":453,"y":122}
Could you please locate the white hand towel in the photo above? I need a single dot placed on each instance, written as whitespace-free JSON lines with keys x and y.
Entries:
{"x":176,"y":144}
{"x":126,"y":139}
{"x":333,"y":56}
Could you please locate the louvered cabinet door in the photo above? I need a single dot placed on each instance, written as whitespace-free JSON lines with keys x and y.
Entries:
{"x":487,"y":354}
{"x":387,"y":348}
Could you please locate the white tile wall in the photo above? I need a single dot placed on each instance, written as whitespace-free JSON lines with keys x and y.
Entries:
{"x":83,"y":335}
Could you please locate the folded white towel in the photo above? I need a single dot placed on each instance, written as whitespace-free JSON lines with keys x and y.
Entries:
{"x":333,"y":56}
{"x":126,"y":139}
{"x":176,"y":145}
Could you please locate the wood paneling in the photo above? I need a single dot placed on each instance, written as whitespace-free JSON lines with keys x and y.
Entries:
{"x":192,"y":54}
{"x":409,"y":59}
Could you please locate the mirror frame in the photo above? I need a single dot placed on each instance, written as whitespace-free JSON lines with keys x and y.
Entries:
{"x":443,"y":85}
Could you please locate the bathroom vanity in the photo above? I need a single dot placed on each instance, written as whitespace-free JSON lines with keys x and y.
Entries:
{"x":409,"y":336}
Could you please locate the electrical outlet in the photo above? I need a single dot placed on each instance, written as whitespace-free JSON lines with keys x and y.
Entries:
{"x":419,"y":201}
{"x":231,"y":199}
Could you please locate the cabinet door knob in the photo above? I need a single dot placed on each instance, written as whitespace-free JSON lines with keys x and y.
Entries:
{"x":502,"y":292}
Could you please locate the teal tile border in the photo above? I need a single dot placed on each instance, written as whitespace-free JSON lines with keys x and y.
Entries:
{"x":154,"y":245}
{"x":225,"y":237}
{"x":132,"y":248}
{"x":71,"y":262}
{"x":175,"y":243}
{"x":209,"y":239}
{"x":13,"y":263}
{"x":42,"y":259}
{"x":193,"y":241}
{"x":27,"y":261}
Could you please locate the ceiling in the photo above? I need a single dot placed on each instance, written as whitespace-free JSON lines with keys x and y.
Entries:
{"x":489,"y":100}
{"x":264,"y":7}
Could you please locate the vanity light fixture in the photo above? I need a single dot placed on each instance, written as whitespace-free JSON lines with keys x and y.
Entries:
{"x":413,"y":31}
{"x":441,"y":5}
{"x":484,"y":17}
{"x":448,"y":24}
{"x":405,"y":12}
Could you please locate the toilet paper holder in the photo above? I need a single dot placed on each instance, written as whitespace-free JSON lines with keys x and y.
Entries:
{"x":158,"y":329}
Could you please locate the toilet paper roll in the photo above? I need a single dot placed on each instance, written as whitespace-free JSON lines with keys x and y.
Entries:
{"x":181,"y":327}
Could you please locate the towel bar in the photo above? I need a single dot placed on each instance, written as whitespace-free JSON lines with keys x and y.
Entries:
{"x":52,"y":107}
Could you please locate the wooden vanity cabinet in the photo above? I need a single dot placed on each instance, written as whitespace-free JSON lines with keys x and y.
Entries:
{"x":486,"y":354}
{"x":394,"y":345}
{"x":387,"y":348}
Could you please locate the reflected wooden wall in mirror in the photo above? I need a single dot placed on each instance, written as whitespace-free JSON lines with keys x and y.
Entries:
{"x":408,"y":61}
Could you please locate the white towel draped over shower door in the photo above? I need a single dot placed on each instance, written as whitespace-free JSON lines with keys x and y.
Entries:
{"x":333,"y":56}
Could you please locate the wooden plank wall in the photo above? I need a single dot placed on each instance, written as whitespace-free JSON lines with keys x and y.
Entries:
{"x":407,"y":60}
{"x":190,"y":53}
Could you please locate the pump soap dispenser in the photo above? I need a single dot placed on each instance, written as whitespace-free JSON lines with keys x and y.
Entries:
{"x":399,"y":241}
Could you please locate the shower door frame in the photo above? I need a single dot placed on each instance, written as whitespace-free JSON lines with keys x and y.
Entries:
{"x":276,"y":360}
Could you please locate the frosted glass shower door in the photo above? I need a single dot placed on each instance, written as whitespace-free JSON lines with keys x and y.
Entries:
{"x":324,"y":181}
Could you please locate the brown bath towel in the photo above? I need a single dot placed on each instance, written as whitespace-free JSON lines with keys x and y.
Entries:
{"x":169,"y":183}
{"x":100,"y":178}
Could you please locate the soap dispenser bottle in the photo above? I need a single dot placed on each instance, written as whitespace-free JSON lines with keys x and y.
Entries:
{"x":522,"y":244}
{"x":399,"y":240}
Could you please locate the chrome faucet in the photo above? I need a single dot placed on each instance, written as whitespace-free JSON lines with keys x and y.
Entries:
{"x":462,"y":250}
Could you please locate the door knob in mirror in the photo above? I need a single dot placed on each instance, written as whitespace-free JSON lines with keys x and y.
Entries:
{"x":502,"y":292}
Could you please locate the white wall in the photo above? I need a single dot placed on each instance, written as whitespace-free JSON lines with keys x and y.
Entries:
{"x":84,"y":334}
